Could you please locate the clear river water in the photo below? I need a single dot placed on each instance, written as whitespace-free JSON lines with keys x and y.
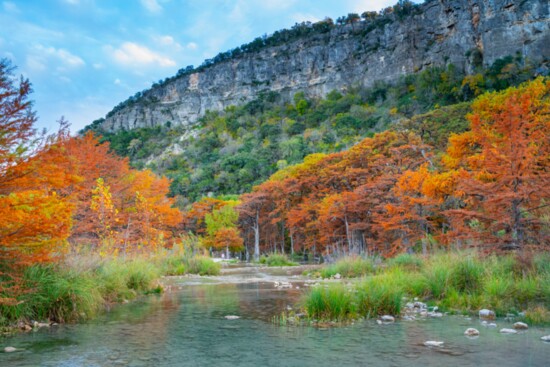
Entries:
{"x":186,"y":326}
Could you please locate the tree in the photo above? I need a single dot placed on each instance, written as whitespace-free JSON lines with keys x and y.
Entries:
{"x":249,"y":215}
{"x":503,"y":164}
{"x":35,"y":217}
{"x":221,"y":229}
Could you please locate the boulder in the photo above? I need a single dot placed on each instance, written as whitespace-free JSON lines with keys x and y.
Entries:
{"x":486,"y":314}
{"x":471,"y":332}
{"x":9,"y":349}
{"x":508,"y":331}
{"x":232,"y":317}
{"x":433,"y":343}
{"x":387,"y":318}
{"x":521,"y":326}
{"x":545,"y":338}
{"x":337,"y":276}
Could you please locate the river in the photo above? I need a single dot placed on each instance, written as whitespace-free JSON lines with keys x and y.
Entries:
{"x":186,"y":326}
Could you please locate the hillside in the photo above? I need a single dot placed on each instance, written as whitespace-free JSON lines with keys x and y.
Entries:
{"x":319,"y":58}
{"x":229,"y":152}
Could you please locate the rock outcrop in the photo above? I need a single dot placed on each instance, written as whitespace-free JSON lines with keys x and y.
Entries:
{"x":465,"y":33}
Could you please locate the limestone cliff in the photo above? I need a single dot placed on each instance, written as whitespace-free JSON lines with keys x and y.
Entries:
{"x":461,"y":32}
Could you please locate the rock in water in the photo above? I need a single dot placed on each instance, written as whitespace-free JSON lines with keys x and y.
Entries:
{"x":433,"y":343}
{"x":486,"y":314}
{"x":545,"y":338}
{"x":471,"y":332}
{"x":232,"y":317}
{"x":10,"y":349}
{"x":387,"y":318}
{"x":521,"y":326}
{"x":508,"y":331}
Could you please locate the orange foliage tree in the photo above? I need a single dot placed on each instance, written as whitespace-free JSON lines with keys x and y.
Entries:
{"x":503,"y":168}
{"x":35,"y":218}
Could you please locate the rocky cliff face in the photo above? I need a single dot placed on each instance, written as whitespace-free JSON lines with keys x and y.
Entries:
{"x":442,"y":31}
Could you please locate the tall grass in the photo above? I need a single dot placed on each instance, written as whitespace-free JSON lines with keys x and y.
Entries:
{"x":80,"y":287}
{"x":349,"y":267}
{"x":379,"y":295}
{"x":277,"y":260}
{"x":180,"y":265}
{"x":333,"y":302}
{"x":458,"y":282}
{"x":62,"y":295}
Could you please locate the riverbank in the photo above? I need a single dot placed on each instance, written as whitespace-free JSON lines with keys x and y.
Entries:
{"x":189,"y":318}
{"x":457,"y":283}
{"x":81,"y":286}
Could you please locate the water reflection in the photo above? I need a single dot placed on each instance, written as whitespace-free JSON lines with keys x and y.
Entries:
{"x":187,"y":328}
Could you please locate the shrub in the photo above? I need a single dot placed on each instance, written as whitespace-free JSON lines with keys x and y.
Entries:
{"x":379,"y":295}
{"x":407,"y":261}
{"x":349,"y":267}
{"x":202,"y":265}
{"x":330,"y":303}
{"x":466,"y":274}
{"x":277,"y":260}
{"x":62,"y":295}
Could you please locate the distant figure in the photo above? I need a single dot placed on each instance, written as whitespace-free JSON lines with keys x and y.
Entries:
{"x":223,"y":255}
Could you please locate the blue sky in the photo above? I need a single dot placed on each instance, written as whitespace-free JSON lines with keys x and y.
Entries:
{"x":85,"y":56}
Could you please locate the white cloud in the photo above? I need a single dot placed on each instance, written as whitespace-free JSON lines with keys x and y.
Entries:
{"x":67,"y":58}
{"x":166,"y":40}
{"x":192,"y":46}
{"x":97,"y":66}
{"x":152,"y":6}
{"x":35,"y":64}
{"x":117,"y":81}
{"x":73,"y":2}
{"x":10,"y":7}
{"x":131,"y":53}
{"x":41,"y":58}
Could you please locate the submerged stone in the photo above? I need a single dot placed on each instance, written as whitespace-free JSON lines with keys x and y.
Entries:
{"x":521,"y":326}
{"x":387,"y":318}
{"x":433,"y":343}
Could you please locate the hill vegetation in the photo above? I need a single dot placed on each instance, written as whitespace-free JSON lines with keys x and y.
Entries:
{"x":231,"y":151}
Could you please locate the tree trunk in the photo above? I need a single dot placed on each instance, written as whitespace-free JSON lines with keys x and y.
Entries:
{"x":257,"y":237}
{"x":283,"y":238}
{"x":347,"y":234}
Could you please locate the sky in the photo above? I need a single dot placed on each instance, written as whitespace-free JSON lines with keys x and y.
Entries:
{"x":83,"y":57}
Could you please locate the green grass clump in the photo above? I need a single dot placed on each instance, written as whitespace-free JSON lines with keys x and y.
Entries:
{"x":277,"y":260}
{"x":349,"y":267}
{"x":379,"y":295}
{"x":466,"y":274}
{"x":141,"y":275}
{"x":330,"y":303}
{"x":202,"y":265}
{"x":406,"y":261}
{"x":71,"y":292}
{"x":457,"y":282}
{"x":179,"y":265}
{"x":537,"y":315}
{"x":55,"y":293}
